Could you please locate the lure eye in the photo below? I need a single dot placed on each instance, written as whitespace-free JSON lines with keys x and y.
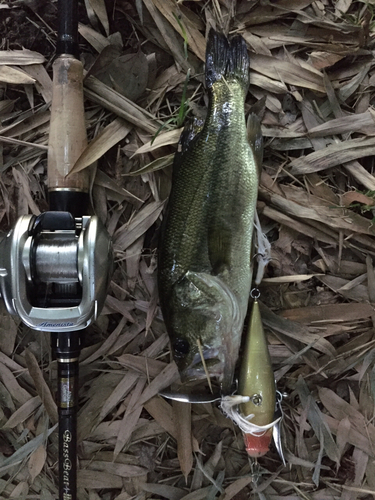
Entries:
{"x":181,"y":348}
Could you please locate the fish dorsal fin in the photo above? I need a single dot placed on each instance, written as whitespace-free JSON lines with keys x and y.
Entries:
{"x":255,"y":140}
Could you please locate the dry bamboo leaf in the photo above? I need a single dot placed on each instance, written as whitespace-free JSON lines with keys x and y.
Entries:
{"x":182,"y":415}
{"x":20,"y":57}
{"x":262,"y":14}
{"x":107,"y":344}
{"x":130,"y":334}
{"x":360,"y":459}
{"x":147,"y":366}
{"x":130,"y":419}
{"x":165,"y":139}
{"x":370,"y":473}
{"x":164,"y":490}
{"x":157,"y":347}
{"x":9,"y":140}
{"x":359,"y":293}
{"x":23,"y":184}
{"x":268,"y":84}
{"x":295,"y":331}
{"x":124,"y":495}
{"x":43,"y":80}
{"x":332,"y":313}
{"x":100,"y":10}
{"x":162,"y":412}
{"x":98,"y":391}
{"x":27,"y":449}
{"x":233,"y":489}
{"x":370,"y":279}
{"x":173,"y":42}
{"x":320,"y":59}
{"x":164,"y":379}
{"x":122,"y":389}
{"x":121,"y":307}
{"x":36,"y":461}
{"x":23,"y":413}
{"x":360,"y":174}
{"x":15,"y":367}
{"x":41,"y":386}
{"x":20,"y":491}
{"x":102,"y":179}
{"x":116,"y":469}
{"x":290,"y":279}
{"x":257,"y":44}
{"x":340,"y":409}
{"x":95,"y":39}
{"x":10,"y":382}
{"x":342,"y":6}
{"x":8,"y":331}
{"x":317,"y":422}
{"x":183,"y":26}
{"x":26,"y":123}
{"x":287,"y":72}
{"x":319,"y":211}
{"x":155,"y":165}
{"x":105,"y":140}
{"x":201,"y":494}
{"x":356,"y":197}
{"x":120,"y":105}
{"x":332,"y":156}
{"x":299,"y":226}
{"x":346,"y":124}
{"x":97,"y":480}
{"x":15,"y":76}
{"x":138,"y":225}
{"x":343,"y":431}
{"x":349,"y":88}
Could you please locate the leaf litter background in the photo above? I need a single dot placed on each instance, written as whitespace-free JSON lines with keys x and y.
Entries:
{"x":312,"y":84}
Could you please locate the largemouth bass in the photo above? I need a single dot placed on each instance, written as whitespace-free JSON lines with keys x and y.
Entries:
{"x":204,"y":259}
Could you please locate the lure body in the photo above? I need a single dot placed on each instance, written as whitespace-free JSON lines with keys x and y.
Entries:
{"x":257,"y":382}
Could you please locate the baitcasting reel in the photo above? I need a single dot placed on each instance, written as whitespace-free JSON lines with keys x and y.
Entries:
{"x":55,"y":270}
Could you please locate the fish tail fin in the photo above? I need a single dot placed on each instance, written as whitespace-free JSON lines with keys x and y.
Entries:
{"x":226,"y":58}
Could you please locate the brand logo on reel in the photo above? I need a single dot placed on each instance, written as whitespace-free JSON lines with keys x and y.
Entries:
{"x":47,"y":324}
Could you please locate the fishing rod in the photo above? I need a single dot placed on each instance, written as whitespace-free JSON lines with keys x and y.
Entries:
{"x":55,"y":268}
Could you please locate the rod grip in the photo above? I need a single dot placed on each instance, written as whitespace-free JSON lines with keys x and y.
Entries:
{"x":67,"y":136}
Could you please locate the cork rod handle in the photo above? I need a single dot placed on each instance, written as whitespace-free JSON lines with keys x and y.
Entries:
{"x":67,"y":137}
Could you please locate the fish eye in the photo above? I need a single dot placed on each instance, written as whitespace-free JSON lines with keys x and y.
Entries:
{"x":181,"y":347}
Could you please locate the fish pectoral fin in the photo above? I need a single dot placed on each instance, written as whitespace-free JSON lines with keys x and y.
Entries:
{"x":255,"y":140}
{"x":210,"y":294}
{"x":199,"y":290}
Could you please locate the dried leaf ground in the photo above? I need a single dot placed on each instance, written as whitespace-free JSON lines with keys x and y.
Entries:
{"x":312,"y":77}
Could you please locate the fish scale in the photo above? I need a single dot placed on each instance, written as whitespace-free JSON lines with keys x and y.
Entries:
{"x":204,"y":259}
